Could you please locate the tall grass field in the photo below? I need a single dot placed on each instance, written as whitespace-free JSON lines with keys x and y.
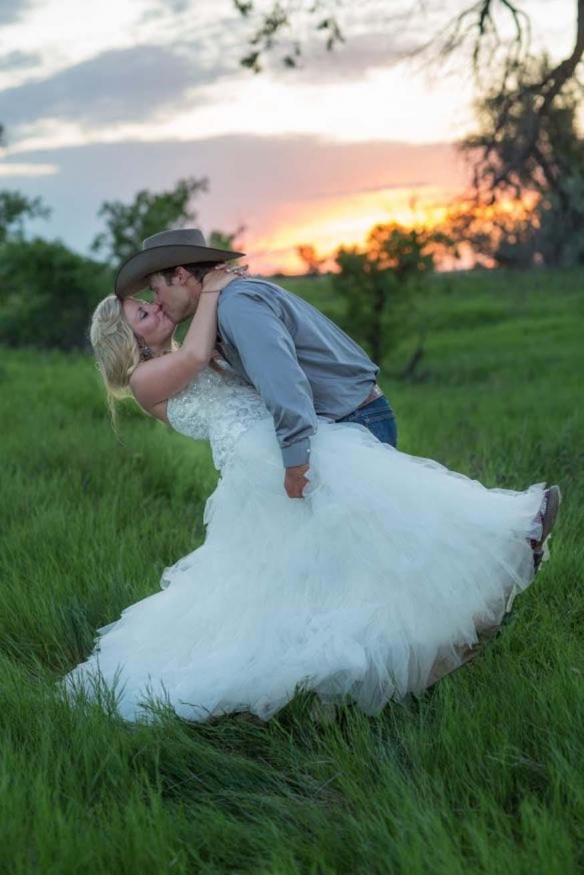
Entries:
{"x":482,"y":774}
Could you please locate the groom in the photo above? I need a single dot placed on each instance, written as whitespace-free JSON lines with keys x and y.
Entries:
{"x":300,"y":362}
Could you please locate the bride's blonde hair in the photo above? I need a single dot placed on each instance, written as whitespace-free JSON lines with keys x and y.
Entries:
{"x":115,"y":347}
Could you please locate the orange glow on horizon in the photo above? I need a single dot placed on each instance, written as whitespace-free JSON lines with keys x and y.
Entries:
{"x":333,"y":222}
{"x":347,"y":221}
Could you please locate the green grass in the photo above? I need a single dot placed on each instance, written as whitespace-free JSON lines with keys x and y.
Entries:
{"x":483,"y":774}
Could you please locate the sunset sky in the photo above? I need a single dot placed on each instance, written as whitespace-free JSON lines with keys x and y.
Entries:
{"x":102,"y":99}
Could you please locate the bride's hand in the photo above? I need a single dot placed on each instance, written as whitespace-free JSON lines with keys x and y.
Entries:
{"x":221,"y":276}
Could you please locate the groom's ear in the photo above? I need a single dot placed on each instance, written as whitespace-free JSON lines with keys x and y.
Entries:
{"x":182,"y":274}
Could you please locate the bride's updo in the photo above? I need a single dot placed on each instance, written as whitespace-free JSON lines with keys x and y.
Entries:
{"x":115,"y":346}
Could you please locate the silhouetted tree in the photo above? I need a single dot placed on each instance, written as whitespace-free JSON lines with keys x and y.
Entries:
{"x":312,"y":261}
{"x":550,"y":181}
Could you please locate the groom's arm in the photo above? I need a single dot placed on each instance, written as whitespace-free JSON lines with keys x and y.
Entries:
{"x":268,"y":355}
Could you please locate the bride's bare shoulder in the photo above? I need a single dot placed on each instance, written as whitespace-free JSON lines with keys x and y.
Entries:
{"x":139,"y":386}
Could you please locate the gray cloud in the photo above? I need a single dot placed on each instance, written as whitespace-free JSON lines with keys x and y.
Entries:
{"x":177,"y":7}
{"x":12,"y":10}
{"x":120,"y":85}
{"x":18,"y":60}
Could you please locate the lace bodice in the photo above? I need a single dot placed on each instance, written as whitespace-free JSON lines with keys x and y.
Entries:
{"x":218,"y":408}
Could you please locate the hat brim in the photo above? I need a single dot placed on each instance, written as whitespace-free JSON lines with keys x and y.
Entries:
{"x":133,"y":274}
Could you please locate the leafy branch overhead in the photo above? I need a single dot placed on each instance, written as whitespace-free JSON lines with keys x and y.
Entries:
{"x":276,"y":20}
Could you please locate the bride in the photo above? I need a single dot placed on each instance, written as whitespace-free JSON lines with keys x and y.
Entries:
{"x":376,"y":584}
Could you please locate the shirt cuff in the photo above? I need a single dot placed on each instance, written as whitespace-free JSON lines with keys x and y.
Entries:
{"x":297,"y":453}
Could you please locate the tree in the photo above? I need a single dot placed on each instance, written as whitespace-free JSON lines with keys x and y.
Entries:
{"x":226,"y":240}
{"x":47,"y":294}
{"x":498,"y":235}
{"x":311,"y":259}
{"x":543,"y":194}
{"x":15,"y":208}
{"x":129,"y":224}
{"x":381,"y":286}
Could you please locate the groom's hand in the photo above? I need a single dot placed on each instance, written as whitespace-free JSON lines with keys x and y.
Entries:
{"x":295,"y":481}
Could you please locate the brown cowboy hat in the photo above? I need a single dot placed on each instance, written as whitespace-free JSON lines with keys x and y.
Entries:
{"x":164,"y":250}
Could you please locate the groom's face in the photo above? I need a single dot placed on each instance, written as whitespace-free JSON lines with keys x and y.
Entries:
{"x":178,"y":297}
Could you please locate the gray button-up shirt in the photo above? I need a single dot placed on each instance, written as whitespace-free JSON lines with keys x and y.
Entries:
{"x":300,"y":362}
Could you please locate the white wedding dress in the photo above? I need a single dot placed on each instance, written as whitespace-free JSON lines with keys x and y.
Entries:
{"x":374,"y":585}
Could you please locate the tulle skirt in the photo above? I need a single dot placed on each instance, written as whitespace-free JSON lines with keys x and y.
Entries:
{"x":381,"y":580}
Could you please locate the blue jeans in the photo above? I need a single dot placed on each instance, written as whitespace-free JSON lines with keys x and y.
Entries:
{"x":378,"y":417}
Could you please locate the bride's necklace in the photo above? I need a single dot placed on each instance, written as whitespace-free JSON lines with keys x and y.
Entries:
{"x":147,"y":353}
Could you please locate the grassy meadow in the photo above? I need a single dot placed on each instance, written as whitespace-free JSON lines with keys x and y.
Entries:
{"x":482,"y":774}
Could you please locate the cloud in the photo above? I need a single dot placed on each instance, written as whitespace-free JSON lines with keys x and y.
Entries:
{"x":18,"y":60}
{"x":17,"y":170}
{"x":169,"y":8}
{"x":12,"y":10}
{"x":266,"y":183}
{"x":177,"y":7}
{"x":126,"y":85}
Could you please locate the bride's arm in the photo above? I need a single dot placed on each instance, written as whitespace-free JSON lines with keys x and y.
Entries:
{"x":153,"y":382}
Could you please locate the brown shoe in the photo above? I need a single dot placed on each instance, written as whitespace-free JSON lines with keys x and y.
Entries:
{"x":553,"y":499}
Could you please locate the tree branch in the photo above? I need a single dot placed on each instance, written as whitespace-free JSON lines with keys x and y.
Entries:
{"x":548,"y":89}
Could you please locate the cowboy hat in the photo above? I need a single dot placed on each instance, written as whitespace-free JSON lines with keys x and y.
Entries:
{"x":164,"y":250}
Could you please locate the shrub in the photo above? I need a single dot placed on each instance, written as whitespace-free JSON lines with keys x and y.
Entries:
{"x":47,"y":294}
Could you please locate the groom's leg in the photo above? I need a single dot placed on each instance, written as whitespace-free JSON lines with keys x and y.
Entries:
{"x":379,"y":418}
